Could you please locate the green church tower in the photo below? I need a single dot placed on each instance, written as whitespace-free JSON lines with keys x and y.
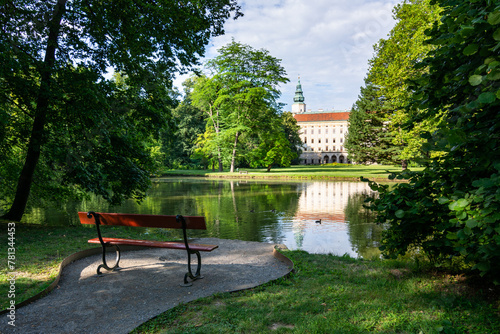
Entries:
{"x":298,"y":106}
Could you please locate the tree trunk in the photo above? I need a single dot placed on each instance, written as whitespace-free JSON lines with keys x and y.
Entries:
{"x":233,"y":157}
{"x":404,"y":164}
{"x":25,"y":181}
{"x":219,"y":158}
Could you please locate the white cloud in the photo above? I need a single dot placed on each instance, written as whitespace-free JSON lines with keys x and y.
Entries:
{"x":327,"y":42}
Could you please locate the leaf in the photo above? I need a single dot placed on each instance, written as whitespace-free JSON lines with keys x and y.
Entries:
{"x":475,"y":79}
{"x":494,"y":75}
{"x":496,"y":35}
{"x":458,"y":205}
{"x":443,"y":200}
{"x":470,"y":49}
{"x":471,"y":223}
{"x":400,"y":213}
{"x":494,"y":18}
{"x":486,"y":97}
{"x":451,"y":236}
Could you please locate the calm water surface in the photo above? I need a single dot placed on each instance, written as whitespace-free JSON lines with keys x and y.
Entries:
{"x":279,"y":212}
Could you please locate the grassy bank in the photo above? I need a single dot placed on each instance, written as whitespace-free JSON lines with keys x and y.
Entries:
{"x":326,"y":294}
{"x":312,"y":172}
{"x":331,"y":294}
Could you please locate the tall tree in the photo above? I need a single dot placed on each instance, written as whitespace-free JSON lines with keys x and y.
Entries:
{"x":241,"y":93}
{"x":54,"y":55}
{"x":292,"y":129}
{"x":451,"y":208}
{"x":393,"y":66}
{"x":189,"y":124}
{"x":369,"y":140}
{"x":205,"y":97}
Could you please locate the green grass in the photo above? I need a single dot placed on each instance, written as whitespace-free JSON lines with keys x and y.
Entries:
{"x":331,"y":294}
{"x":335,"y":171}
{"x":325,"y":294}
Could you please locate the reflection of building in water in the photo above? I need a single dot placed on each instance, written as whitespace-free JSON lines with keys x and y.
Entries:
{"x":325,"y":201}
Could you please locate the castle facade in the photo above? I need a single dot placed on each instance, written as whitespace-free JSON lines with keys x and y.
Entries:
{"x":322,"y":132}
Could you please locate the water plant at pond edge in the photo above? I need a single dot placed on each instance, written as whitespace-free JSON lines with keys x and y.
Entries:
{"x":331,"y":294}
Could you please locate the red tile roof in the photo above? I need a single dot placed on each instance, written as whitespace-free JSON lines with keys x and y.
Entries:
{"x":320,"y":117}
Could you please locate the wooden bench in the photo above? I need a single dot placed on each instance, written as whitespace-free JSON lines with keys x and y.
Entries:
{"x":158,"y":221}
{"x":243,"y":172}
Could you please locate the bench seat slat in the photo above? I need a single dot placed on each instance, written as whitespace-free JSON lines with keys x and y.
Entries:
{"x":139,"y":220}
{"x":158,"y":244}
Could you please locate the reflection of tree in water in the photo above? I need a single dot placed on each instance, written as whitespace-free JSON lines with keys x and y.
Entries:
{"x":233,"y":209}
{"x":299,"y":232}
{"x":364,"y":234}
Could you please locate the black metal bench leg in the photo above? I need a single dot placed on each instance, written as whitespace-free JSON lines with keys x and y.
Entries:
{"x":105,"y":264}
{"x":189,"y":274}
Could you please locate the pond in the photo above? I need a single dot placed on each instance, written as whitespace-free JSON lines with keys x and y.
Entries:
{"x":315,"y":216}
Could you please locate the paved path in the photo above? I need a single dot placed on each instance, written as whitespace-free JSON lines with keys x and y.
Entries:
{"x":148,"y":285}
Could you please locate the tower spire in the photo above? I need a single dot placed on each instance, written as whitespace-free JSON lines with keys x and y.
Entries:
{"x":299,"y":96}
{"x":298,"y":106}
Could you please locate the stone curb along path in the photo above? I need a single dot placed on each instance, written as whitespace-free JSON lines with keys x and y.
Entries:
{"x":148,"y":285}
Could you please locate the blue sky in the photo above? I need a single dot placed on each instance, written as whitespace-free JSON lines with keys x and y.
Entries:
{"x":327,"y":42}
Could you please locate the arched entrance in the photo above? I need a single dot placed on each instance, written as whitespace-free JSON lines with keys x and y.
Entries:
{"x":334,"y":158}
{"x":341,"y":159}
{"x":326,"y":159}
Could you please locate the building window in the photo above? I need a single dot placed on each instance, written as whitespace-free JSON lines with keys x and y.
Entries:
{"x":319,"y":140}
{"x":305,"y":131}
{"x":326,"y":140}
{"x":305,"y":140}
{"x":312,"y":140}
{"x":341,"y":140}
{"x":341,"y":130}
{"x":333,"y":131}
{"x":319,"y":131}
{"x":326,"y":130}
{"x":333,"y":140}
{"x":312,"y":131}
{"x":327,"y":148}
{"x":334,"y":148}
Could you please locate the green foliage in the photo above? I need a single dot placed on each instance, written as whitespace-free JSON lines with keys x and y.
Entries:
{"x":64,"y":128}
{"x":239,"y":101}
{"x":450,"y":209}
{"x":369,"y":140}
{"x":291,"y":129}
{"x":331,"y":294}
{"x":179,"y":145}
{"x":391,"y":70}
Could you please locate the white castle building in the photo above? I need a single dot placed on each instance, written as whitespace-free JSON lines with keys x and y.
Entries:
{"x":322,"y":132}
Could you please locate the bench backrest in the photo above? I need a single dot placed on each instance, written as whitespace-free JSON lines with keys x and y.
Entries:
{"x":131,"y":219}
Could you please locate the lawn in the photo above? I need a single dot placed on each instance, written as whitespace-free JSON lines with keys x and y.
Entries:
{"x":332,"y":294}
{"x":325,"y":294}
{"x":332,"y":171}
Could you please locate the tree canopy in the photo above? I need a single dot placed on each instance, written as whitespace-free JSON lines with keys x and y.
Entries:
{"x":388,"y":85}
{"x":64,"y":128}
{"x":369,"y":139}
{"x":239,"y":99}
{"x":451,"y":209}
